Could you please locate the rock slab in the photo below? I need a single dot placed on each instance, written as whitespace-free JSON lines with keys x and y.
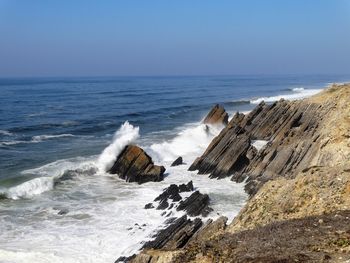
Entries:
{"x":217,"y":115}
{"x":134,"y":165}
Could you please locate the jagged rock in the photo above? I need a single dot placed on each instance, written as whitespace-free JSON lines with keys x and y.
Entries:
{"x":196,"y":204}
{"x":63,"y":211}
{"x":172,"y":192}
{"x":177,"y":162}
{"x":217,"y":115}
{"x":135,"y":165}
{"x":176,"y":234}
{"x":292,"y":129}
{"x":124,"y":259}
{"x":186,"y":187}
{"x":149,"y":206}
{"x":163,"y":204}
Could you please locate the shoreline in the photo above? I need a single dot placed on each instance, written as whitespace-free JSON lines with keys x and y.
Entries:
{"x":254,"y":217}
{"x":226,"y":181}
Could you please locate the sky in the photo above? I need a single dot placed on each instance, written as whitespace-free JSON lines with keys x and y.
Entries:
{"x":182,"y":37}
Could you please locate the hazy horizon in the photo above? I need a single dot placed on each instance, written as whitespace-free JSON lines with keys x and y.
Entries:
{"x":182,"y":38}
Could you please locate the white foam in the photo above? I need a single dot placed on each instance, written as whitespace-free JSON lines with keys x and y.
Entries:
{"x":103,"y":210}
{"x":298,"y":89}
{"x":40,"y":138}
{"x":124,"y":136}
{"x":300,"y":94}
{"x":36,"y":139}
{"x":9,"y":143}
{"x":259,"y":144}
{"x":189,"y":143}
{"x":5,"y":133}
{"x":30,"y":188}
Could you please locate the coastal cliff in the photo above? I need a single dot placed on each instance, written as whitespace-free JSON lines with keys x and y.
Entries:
{"x":295,"y":159}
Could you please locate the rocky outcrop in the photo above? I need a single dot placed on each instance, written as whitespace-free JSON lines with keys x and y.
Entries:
{"x":217,"y":115}
{"x":299,"y":208}
{"x":293,"y":132}
{"x":194,"y":205}
{"x":177,"y":162}
{"x":134,"y":165}
{"x":176,"y":235}
{"x":323,"y":238}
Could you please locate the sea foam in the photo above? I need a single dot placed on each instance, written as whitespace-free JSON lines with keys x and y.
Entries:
{"x":124,"y":136}
{"x":189,"y":143}
{"x":298,"y":93}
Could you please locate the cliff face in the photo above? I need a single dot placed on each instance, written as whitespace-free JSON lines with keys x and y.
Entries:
{"x":299,"y":182}
{"x":295,"y":135}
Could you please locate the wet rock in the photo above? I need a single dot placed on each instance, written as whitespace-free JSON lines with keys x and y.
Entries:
{"x":149,"y":206}
{"x":217,"y":115}
{"x":186,"y":187}
{"x":176,"y":235}
{"x":163,"y":204}
{"x":124,"y":259}
{"x":135,"y":165}
{"x":196,"y":204}
{"x":63,"y":211}
{"x":172,"y":192}
{"x":177,"y":162}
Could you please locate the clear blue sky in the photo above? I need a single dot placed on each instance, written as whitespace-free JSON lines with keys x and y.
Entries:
{"x":180,"y":37}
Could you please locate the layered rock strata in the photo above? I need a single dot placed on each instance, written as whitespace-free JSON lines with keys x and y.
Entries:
{"x":293,"y":130}
{"x":217,"y":115}
{"x":299,"y":185}
{"x":134,"y":165}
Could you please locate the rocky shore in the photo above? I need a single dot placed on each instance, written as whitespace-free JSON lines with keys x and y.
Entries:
{"x":294,"y":157}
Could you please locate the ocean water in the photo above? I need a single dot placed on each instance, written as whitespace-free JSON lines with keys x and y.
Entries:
{"x":58,"y":137}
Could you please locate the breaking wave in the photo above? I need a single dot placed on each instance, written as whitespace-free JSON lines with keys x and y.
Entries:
{"x":189,"y":143}
{"x":5,"y":133}
{"x":124,"y":136}
{"x":298,"y":93}
{"x":40,"y":138}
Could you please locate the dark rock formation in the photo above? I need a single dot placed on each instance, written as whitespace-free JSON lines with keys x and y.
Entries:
{"x":186,"y":187}
{"x":176,"y":234}
{"x":177,"y":162}
{"x":149,"y":206}
{"x":135,"y":165}
{"x":196,"y":204}
{"x":217,"y":115}
{"x":172,"y":192}
{"x":291,"y":128}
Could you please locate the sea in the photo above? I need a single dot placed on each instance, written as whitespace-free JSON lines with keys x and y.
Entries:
{"x":59,"y":136}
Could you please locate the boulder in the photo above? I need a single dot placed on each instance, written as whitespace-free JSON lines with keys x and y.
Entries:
{"x":177,"y":162}
{"x":134,"y":165}
{"x":217,"y":115}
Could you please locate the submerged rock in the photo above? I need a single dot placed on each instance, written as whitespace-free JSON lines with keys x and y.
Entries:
{"x":177,"y":162}
{"x":217,"y":115}
{"x":135,"y":165}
